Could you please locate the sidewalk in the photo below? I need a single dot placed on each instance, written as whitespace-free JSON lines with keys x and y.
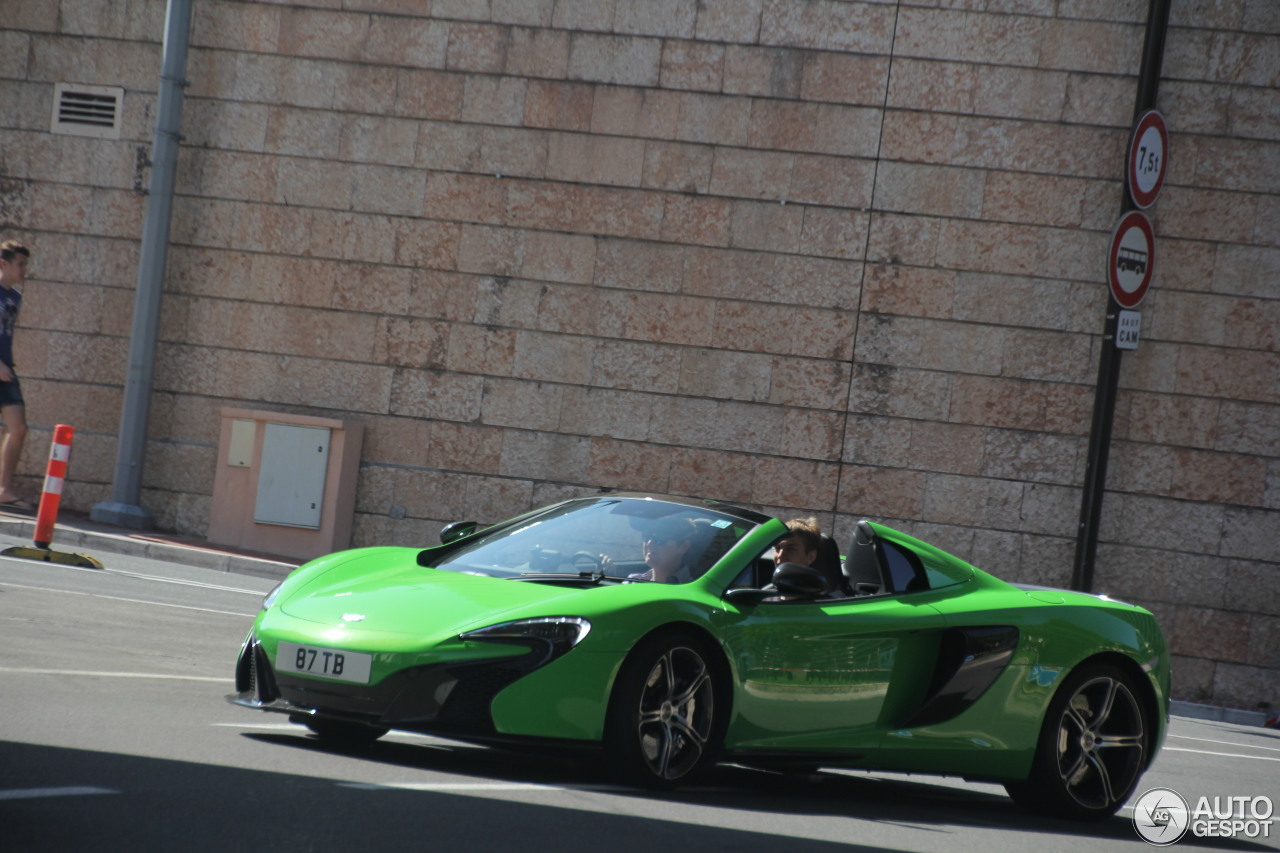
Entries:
{"x":78,"y":534}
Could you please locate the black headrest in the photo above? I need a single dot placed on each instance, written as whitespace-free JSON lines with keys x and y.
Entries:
{"x":861,"y":563}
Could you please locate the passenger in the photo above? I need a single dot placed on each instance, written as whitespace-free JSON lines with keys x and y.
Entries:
{"x":666,"y":547}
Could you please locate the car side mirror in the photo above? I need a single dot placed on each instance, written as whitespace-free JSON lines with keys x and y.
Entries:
{"x":748,"y":597}
{"x":456,"y":530}
{"x":800,"y":580}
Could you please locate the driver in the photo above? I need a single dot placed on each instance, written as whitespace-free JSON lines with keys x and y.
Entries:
{"x":801,"y":544}
{"x":666,"y":546}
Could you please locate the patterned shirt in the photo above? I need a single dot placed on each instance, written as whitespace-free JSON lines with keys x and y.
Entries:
{"x":10,"y":302}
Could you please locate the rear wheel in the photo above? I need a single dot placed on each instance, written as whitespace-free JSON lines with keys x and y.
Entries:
{"x":1092,"y":748}
{"x":663,"y":725}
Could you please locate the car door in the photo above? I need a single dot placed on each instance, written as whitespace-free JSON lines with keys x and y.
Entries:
{"x":828,"y":674}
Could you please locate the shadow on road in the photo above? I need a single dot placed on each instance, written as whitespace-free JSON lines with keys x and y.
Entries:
{"x":131,"y":803}
{"x":921,"y":801}
{"x":148,"y":804}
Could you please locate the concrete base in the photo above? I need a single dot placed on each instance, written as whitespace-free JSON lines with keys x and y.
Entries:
{"x":123,"y":515}
{"x":44,"y":555}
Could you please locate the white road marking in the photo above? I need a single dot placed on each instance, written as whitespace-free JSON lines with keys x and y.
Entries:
{"x":37,"y":793}
{"x":180,"y":582}
{"x":474,"y":786}
{"x":1220,"y":754}
{"x":96,"y":674}
{"x":241,"y":614}
{"x":280,"y":727}
{"x":294,"y":727}
{"x":1227,"y":743}
{"x":159,"y":578}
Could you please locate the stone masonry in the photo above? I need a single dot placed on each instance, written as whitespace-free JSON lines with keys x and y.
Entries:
{"x":841,"y":258}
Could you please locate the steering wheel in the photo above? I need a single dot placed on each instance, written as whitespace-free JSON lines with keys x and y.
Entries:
{"x":585,"y":561}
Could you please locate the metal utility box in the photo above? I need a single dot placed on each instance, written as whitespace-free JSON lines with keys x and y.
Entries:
{"x":285,"y":484}
{"x":295,"y":463}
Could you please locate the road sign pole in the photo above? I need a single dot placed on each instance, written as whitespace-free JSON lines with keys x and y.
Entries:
{"x":1095,"y":475}
{"x":125,"y":507}
{"x":1104,"y":400}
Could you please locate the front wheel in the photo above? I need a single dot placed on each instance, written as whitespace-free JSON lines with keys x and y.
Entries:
{"x":341,"y":733}
{"x":1092,"y":748}
{"x":663,"y":726}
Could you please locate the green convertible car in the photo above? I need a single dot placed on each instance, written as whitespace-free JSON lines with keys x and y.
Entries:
{"x":660,"y":631}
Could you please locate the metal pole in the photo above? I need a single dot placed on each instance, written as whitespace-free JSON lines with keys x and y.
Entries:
{"x":124,"y":507}
{"x":1104,"y":402}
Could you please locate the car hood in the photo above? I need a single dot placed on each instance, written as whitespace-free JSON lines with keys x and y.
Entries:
{"x":385,"y":590}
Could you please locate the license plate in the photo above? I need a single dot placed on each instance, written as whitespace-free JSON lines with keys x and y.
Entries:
{"x":330,"y":663}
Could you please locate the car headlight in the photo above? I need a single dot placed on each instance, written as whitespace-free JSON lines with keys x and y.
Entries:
{"x":556,"y":635}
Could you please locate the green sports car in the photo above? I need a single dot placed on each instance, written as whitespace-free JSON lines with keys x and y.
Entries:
{"x":661,"y":632}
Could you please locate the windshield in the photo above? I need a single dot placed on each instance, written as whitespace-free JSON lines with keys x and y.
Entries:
{"x":635,"y":539}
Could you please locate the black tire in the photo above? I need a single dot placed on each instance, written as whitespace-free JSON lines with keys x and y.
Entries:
{"x":665,"y":715}
{"x":343,"y":733}
{"x":1093,"y":747}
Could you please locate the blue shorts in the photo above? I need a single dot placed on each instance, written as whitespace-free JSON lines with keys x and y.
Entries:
{"x":11,"y":393}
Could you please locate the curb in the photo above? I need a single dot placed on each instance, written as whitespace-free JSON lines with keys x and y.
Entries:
{"x":1213,"y":713}
{"x":154,"y":548}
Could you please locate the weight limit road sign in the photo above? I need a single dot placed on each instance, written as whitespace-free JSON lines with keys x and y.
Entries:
{"x":1148,"y":156}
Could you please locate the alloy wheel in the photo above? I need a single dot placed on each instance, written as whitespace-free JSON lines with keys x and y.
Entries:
{"x":676,"y":714}
{"x":1101,"y":743}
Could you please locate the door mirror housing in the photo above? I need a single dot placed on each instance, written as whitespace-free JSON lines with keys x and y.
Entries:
{"x":456,"y":530}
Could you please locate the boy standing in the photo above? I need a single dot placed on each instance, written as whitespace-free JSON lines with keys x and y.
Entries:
{"x":14,"y":258}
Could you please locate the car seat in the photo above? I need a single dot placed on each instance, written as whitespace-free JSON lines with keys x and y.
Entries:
{"x":828,"y":562}
{"x":862,"y":570}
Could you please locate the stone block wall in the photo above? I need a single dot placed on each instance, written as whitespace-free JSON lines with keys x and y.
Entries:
{"x":843,"y":258}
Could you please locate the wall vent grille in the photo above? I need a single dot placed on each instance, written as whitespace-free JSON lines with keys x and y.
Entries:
{"x":87,"y":110}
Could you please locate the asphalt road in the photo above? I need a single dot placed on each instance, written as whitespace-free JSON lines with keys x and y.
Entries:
{"x":114,"y":735}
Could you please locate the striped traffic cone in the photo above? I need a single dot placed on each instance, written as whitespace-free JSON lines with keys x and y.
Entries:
{"x":50,"y":499}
